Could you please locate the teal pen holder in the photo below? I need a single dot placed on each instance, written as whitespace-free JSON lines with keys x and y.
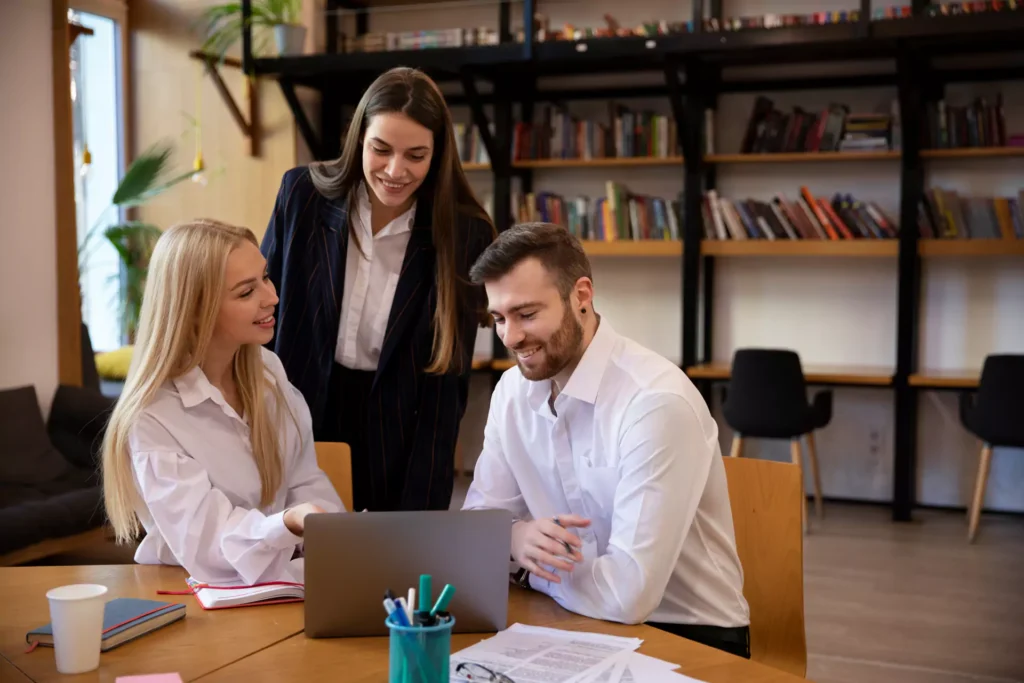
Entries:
{"x":419,"y":654}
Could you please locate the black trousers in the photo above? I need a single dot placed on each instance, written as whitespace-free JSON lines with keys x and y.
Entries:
{"x":735,"y":641}
{"x":345,"y":419}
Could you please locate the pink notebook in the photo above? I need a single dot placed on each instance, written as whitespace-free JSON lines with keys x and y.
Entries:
{"x":150,"y":678}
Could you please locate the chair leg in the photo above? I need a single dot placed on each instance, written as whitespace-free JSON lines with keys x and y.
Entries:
{"x":794,"y":450}
{"x":812,"y":455}
{"x":979,"y":492}
{"x":737,"y":446}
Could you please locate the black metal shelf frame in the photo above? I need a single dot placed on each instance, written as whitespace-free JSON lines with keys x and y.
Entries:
{"x":691,"y":65}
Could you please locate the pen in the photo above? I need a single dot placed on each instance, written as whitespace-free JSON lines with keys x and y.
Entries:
{"x":568,"y":548}
{"x":400,"y":604}
{"x":442,"y":601}
{"x":399,"y":615}
{"x":410,"y":604}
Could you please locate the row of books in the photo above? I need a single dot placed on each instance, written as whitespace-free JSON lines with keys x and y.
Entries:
{"x":982,"y":123}
{"x":834,"y":129}
{"x":625,"y":133}
{"x":947,"y":214}
{"x":469,"y":145}
{"x":843,"y":217}
{"x":619,"y":215}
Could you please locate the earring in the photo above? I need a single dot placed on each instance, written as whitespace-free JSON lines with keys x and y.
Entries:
{"x":583,"y":310}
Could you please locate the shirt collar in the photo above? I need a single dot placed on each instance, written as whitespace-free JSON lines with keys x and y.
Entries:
{"x":194,"y":388}
{"x":399,"y":225}
{"x":585,"y":380}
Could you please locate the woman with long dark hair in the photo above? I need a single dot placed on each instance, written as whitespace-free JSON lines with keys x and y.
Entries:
{"x":370,"y":254}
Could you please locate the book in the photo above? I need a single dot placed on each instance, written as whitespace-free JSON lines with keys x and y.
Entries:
{"x":124,"y":619}
{"x":224,"y":597}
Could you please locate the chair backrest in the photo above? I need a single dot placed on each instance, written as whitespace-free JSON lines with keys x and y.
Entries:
{"x":335,"y":459}
{"x":766,"y":498}
{"x":1000,"y":401}
{"x":767,"y":394}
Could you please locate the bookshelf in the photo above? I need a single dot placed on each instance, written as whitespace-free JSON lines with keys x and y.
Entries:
{"x":690,"y":60}
{"x":817,"y":248}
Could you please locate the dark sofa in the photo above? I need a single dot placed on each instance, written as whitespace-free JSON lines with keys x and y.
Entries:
{"x":50,"y":487}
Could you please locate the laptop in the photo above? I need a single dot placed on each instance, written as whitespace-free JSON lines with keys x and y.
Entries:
{"x":352,"y":558}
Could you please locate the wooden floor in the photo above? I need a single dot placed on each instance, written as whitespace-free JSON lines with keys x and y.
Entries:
{"x":890,"y":603}
{"x":914,"y":603}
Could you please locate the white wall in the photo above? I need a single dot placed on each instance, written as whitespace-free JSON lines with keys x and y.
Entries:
{"x":834,"y":311}
{"x":28,"y":280}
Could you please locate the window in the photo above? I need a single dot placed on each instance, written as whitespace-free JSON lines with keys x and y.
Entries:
{"x":98,"y":122}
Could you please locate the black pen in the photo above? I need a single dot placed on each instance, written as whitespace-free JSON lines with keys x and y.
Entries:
{"x":568,"y":548}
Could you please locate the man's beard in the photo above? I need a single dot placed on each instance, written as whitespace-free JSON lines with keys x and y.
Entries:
{"x":560,"y":350}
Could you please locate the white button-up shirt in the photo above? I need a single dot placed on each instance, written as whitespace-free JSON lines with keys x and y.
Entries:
{"x":194,"y":469}
{"x":370,"y":282}
{"x":632,"y":446}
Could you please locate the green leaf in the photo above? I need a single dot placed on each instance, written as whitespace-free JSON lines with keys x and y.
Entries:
{"x":142,"y":175}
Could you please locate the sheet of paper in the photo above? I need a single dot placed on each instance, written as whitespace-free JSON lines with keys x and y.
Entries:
{"x":642,"y":669}
{"x":625,"y":667}
{"x":529,"y":654}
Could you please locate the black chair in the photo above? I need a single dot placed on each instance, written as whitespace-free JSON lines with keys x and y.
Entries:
{"x":996,"y":417}
{"x":767,"y":399}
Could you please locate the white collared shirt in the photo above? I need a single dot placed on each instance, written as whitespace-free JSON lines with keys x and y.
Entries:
{"x":194,"y":469}
{"x":631,"y":446}
{"x":370,"y":282}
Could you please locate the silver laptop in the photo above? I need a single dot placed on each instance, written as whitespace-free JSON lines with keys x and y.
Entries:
{"x":353,"y":558}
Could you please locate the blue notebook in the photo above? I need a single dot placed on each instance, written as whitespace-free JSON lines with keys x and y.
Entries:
{"x":124,"y":619}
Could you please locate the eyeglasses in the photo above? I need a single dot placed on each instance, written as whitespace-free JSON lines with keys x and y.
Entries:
{"x":476,"y":672}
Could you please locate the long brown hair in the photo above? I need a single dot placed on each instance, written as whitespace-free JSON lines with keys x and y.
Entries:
{"x":411,"y":92}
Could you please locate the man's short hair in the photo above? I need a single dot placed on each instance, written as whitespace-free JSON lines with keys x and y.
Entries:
{"x":556,"y":248}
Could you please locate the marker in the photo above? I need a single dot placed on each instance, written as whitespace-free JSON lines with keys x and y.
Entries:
{"x":423,"y":613}
{"x":442,"y":601}
{"x":404,"y":608}
{"x":392,"y":610}
{"x":410,"y":604}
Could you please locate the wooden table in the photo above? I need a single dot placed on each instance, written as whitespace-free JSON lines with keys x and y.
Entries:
{"x":196,"y":645}
{"x":266,"y":643}
{"x":366,"y":659}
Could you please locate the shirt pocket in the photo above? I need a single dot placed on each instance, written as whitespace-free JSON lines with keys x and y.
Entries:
{"x":380,"y":323}
{"x":597,"y":485}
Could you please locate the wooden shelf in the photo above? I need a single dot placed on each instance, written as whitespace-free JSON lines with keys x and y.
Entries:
{"x":597,"y":163}
{"x":865,"y":375}
{"x":972,"y":153}
{"x":971,"y":247}
{"x":473,"y":166}
{"x":633,"y":248}
{"x":945,"y":379}
{"x":502,"y":364}
{"x":798,"y":157}
{"x":760,"y":247}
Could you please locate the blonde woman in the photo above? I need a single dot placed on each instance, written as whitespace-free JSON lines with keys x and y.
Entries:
{"x":210,"y":448}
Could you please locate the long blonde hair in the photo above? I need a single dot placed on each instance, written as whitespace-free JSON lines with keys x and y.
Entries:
{"x":182,"y":298}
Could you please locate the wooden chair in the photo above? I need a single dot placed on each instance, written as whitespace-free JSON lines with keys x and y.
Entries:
{"x":335,"y":459}
{"x":767,"y":499}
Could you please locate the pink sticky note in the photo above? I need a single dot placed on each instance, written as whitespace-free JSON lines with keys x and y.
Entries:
{"x":150,"y":678}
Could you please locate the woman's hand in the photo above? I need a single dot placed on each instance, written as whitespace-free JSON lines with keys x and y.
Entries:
{"x":546,"y":542}
{"x":295,"y":518}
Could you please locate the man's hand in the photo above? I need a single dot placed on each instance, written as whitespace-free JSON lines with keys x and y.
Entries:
{"x":295,"y":518}
{"x":543,"y":542}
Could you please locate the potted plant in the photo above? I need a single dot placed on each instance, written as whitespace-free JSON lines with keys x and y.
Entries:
{"x":222,"y":26}
{"x":146,"y":177}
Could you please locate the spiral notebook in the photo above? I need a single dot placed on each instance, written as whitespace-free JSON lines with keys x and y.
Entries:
{"x":224,"y":597}
{"x":124,"y":619}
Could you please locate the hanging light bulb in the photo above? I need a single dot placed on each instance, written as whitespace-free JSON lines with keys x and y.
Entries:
{"x":198,"y":165}
{"x":86,"y":161}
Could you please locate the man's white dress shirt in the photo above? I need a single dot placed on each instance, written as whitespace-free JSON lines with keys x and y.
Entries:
{"x":370,"y":282}
{"x":194,"y":469}
{"x":632,"y":446}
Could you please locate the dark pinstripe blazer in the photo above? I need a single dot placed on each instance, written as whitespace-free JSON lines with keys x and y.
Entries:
{"x":414,"y":417}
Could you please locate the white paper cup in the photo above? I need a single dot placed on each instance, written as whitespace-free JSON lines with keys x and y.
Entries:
{"x":76,"y":613}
